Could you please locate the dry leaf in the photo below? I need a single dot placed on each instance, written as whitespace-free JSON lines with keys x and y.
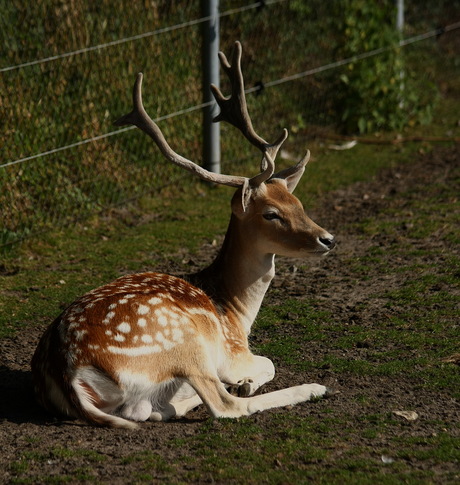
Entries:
{"x":453,"y":359}
{"x":409,"y":415}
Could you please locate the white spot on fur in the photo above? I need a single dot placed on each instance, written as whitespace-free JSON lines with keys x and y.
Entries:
{"x":206,"y":313}
{"x":147,"y":339}
{"x":108,"y":317}
{"x":167,"y":344}
{"x":79,"y":334}
{"x":143,"y":310}
{"x":178,"y":335}
{"x":142,"y":322}
{"x":135,"y":351}
{"x":119,"y":338}
{"x":162,"y":320}
{"x":124,"y":327}
{"x":155,"y":301}
{"x":183,"y":320}
{"x":122,"y":301}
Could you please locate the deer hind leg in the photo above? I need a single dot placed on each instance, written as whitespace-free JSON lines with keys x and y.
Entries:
{"x":178,"y":405}
{"x":135,"y":398}
{"x":185,"y":400}
{"x":247,"y":374}
{"x":137,"y":411}
{"x":98,"y":396}
{"x":177,"y":409}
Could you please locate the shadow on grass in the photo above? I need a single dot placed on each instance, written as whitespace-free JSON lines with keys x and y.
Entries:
{"x":17,"y":401}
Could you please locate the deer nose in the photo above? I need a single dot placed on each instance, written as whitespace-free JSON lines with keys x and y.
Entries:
{"x":328,"y":241}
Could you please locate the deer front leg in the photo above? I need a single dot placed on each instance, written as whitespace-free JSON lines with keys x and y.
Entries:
{"x":246,"y":374}
{"x":221,"y":404}
{"x":286,"y":397}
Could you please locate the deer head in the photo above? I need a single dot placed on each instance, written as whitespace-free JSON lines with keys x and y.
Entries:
{"x":267,"y":192}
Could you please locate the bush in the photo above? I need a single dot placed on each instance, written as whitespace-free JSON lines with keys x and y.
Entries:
{"x":378,"y":92}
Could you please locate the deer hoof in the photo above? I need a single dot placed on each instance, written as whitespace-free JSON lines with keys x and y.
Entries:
{"x":241,"y":389}
{"x":330,"y":392}
{"x":244,"y":390}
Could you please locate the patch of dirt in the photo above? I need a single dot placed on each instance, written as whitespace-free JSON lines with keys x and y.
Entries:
{"x":331,"y":282}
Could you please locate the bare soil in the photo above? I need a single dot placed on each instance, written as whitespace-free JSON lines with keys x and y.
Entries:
{"x":24,"y":427}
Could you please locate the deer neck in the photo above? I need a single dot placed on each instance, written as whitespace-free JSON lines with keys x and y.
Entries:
{"x":239,"y":277}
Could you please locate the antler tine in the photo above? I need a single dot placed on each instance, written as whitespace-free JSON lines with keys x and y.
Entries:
{"x":234,"y":110}
{"x":300,"y":165}
{"x":140,"y":118}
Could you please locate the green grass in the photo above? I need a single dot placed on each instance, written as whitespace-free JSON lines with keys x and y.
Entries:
{"x":30,"y":460}
{"x":292,"y":449}
{"x":87,"y":255}
{"x":415,"y":330}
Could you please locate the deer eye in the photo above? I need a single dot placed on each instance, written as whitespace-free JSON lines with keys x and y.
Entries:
{"x":271,"y":216}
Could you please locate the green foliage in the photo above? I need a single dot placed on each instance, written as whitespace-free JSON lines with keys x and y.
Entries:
{"x":378,"y":92}
{"x":64,"y":101}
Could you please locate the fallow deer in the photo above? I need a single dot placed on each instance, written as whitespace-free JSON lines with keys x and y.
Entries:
{"x":154,"y":346}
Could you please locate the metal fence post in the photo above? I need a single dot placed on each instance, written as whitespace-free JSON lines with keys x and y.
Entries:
{"x":210,"y":66}
{"x":400,"y":28}
{"x":400,"y":15}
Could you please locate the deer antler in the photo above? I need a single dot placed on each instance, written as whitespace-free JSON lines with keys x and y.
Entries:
{"x":140,"y":118}
{"x":234,"y":110}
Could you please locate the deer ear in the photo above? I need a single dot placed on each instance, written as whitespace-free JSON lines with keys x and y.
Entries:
{"x":293,"y":174}
{"x":244,"y":197}
{"x":241,"y":199}
{"x":246,"y":192}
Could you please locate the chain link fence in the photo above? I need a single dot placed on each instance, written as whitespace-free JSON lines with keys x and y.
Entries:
{"x":66,"y":73}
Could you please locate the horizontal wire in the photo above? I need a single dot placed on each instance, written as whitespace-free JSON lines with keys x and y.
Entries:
{"x":359,"y":57}
{"x":294,"y":77}
{"x":431,"y":33}
{"x":144,"y":35}
{"x":106,"y":135}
